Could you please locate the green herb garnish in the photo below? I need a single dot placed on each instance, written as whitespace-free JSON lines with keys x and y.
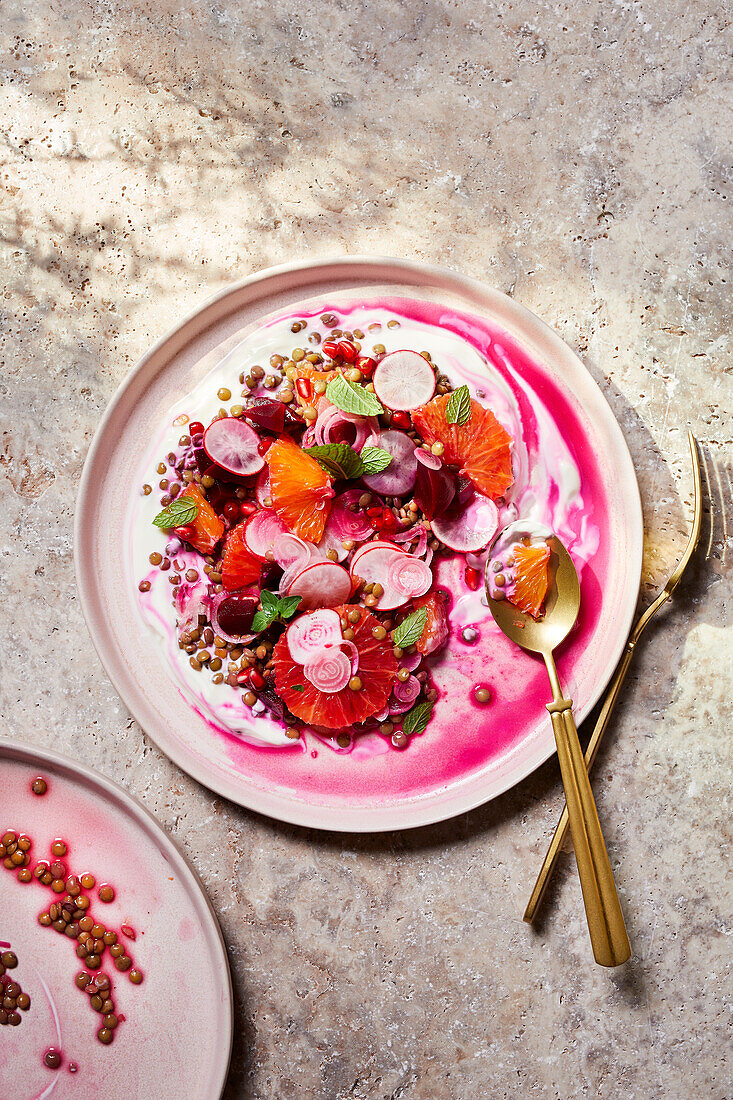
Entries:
{"x":273,"y":609}
{"x":417,"y":719}
{"x":337,"y":459}
{"x":410,"y":629}
{"x":375,"y":459}
{"x":458,"y":408}
{"x":179,"y":513}
{"x":353,"y":398}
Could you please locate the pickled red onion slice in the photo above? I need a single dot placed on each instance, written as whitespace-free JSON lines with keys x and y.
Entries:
{"x":329,"y":670}
{"x":409,"y":576}
{"x":408,"y":691}
{"x":309,"y":634}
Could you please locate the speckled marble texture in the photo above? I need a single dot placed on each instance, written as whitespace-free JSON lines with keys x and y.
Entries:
{"x":578,"y":157}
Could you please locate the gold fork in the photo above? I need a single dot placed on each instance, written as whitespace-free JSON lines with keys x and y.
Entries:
{"x":614,"y":688}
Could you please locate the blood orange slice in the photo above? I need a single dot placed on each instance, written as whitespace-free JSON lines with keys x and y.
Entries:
{"x":239,"y":565}
{"x":300,"y":489}
{"x":436,"y":630}
{"x":531,"y":578}
{"x":344,"y":708}
{"x":207,"y":528}
{"x":481,"y":447}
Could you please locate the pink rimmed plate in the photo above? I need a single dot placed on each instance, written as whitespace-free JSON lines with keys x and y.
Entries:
{"x":449,"y":769}
{"x":163,"y":918}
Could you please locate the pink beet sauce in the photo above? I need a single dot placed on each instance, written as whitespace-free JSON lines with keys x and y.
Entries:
{"x":463,"y":735}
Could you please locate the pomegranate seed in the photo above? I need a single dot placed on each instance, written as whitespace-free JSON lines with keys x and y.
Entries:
{"x":347,"y":350}
{"x":255,"y":679}
{"x":303,"y":387}
{"x":473,"y":578}
{"x":248,"y":507}
{"x":330,"y":348}
{"x":243,"y":676}
{"x":185,"y":532}
{"x":195,"y":428}
{"x":401,"y":420}
{"x":366,"y":365}
{"x":264,"y":445}
{"x":231,"y":510}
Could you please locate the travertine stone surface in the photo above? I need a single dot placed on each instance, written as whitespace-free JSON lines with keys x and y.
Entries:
{"x":576,"y":156}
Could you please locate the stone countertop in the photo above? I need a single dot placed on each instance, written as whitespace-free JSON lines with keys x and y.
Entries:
{"x":580,"y":160}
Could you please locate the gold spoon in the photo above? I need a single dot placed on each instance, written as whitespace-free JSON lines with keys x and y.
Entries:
{"x":614,"y":688}
{"x":603,"y":910}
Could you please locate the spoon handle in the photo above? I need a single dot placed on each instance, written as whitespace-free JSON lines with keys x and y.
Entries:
{"x":605,"y":920}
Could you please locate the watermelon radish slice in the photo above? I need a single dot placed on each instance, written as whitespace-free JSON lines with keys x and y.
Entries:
{"x":374,"y":565}
{"x":262,"y":488}
{"x":263,"y":530}
{"x":404,"y":380}
{"x":399,"y":477}
{"x":232,"y":445}
{"x":469,"y":529}
{"x":312,"y":632}
{"x":321,"y":584}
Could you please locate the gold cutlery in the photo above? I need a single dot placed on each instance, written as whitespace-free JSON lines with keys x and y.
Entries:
{"x":603,"y":910}
{"x":614,"y":688}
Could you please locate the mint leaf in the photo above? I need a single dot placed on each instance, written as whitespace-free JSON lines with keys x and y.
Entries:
{"x":353,"y":398}
{"x":410,"y":629}
{"x":179,"y":513}
{"x":337,"y":459}
{"x":375,"y":459}
{"x":458,"y":409}
{"x":269,"y":601}
{"x":288,"y":606}
{"x":261,"y":621}
{"x":417,"y":719}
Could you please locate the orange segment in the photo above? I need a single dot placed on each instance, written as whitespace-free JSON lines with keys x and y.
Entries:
{"x":300,"y":489}
{"x":305,"y":379}
{"x":208,"y":527}
{"x":239,"y":566}
{"x":531,"y":578}
{"x":481,"y":448}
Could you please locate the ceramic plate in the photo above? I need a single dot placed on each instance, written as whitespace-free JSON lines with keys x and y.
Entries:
{"x":160,"y":914}
{"x":456,"y":764}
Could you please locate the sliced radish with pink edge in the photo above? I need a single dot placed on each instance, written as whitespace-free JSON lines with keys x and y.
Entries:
{"x":410,"y":576}
{"x":262,"y":488}
{"x":289,"y":550}
{"x":399,"y":477}
{"x":322,"y":584}
{"x":373,"y":566}
{"x":404,"y":380}
{"x":328,"y":670}
{"x":470,"y":529}
{"x":263,"y":530}
{"x":378,"y":544}
{"x":232,"y":444}
{"x":312,"y":632}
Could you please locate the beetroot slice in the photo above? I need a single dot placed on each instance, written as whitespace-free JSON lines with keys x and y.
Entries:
{"x":233,"y":445}
{"x":267,"y":414}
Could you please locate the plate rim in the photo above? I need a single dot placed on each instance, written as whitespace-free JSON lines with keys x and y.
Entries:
{"x":413,"y":811}
{"x":30,"y":754}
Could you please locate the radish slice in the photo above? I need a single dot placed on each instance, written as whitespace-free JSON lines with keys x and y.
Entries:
{"x":190,"y":603}
{"x":410,"y":576}
{"x":262,"y":488}
{"x":470,"y":529}
{"x":408,"y":691}
{"x":411,"y":661}
{"x":310,"y":633}
{"x":378,"y":544}
{"x":399,"y":477}
{"x":322,"y":584}
{"x":262,"y":532}
{"x":328,"y":670}
{"x":232,"y":444}
{"x":289,"y":550}
{"x":428,"y":459}
{"x":404,"y":380}
{"x":375,"y":564}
